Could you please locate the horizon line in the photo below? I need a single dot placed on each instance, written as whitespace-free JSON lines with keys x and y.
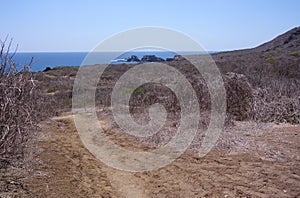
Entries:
{"x":115,"y":51}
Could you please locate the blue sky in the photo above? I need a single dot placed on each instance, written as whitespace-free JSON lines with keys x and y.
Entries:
{"x":70,"y":25}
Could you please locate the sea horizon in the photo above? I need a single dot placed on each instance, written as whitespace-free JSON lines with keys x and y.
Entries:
{"x":42,"y":60}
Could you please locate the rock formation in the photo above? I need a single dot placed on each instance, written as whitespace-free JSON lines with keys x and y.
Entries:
{"x":151,"y":58}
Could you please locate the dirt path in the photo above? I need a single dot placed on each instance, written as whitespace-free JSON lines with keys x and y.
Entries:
{"x":67,"y":169}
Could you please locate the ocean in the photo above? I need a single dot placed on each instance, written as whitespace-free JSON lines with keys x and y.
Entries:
{"x":41,"y":60}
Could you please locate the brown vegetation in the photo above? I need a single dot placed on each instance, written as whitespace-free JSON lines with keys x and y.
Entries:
{"x":16,"y":106}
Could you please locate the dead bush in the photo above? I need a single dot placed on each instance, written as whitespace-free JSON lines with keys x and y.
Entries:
{"x":16,"y":109}
{"x":271,"y":106}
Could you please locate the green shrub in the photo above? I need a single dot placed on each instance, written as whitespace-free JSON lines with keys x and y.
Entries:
{"x":137,"y":91}
{"x":51,"y":90}
{"x":270,"y":59}
{"x":191,"y":66}
{"x":294,"y":54}
{"x":68,"y":101}
{"x":140,"y":91}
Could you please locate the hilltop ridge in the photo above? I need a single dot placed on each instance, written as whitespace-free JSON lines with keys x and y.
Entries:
{"x":278,"y":59}
{"x":289,"y":41}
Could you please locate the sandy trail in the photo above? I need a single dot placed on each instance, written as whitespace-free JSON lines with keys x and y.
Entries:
{"x":67,"y":169}
{"x":127,"y":184}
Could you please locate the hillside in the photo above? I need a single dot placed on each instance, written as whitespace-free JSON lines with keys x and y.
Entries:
{"x":277,"y":60}
{"x":289,"y":42}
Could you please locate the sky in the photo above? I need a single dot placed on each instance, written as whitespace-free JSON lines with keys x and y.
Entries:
{"x":80,"y":25}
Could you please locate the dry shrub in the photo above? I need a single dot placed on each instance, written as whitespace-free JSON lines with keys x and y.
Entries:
{"x":239,"y":92}
{"x":260,"y":96}
{"x":277,"y":98}
{"x":239,"y":95}
{"x":16,"y":106}
{"x":271,"y":106}
{"x":277,"y":102}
